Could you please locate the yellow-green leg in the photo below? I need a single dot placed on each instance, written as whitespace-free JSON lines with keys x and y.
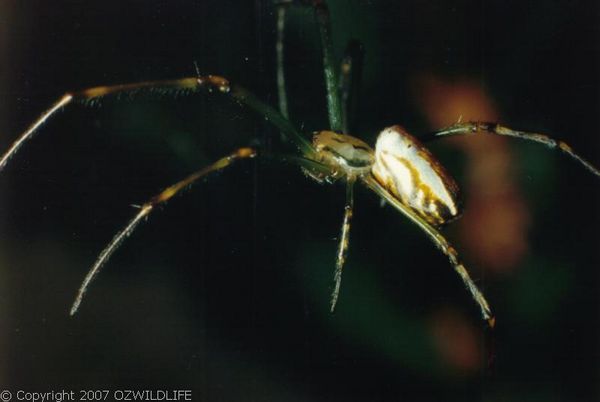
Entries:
{"x":147,"y":208}
{"x":209,"y":83}
{"x":472,"y":128}
{"x":441,"y":242}
{"x":344,"y":242}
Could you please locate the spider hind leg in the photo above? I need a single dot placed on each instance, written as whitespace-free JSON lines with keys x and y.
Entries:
{"x":441,"y":242}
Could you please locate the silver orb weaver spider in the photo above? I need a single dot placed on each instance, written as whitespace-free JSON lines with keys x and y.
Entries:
{"x":399,"y":169}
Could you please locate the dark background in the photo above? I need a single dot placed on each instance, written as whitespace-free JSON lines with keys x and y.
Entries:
{"x":225,"y":290}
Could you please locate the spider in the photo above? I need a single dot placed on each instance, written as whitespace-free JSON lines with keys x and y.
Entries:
{"x":399,"y":168}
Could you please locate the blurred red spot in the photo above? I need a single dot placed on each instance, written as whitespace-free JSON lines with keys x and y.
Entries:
{"x":494,"y":225}
{"x":457,"y":341}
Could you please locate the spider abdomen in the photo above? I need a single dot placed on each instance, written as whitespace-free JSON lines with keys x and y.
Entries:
{"x":412,"y":174}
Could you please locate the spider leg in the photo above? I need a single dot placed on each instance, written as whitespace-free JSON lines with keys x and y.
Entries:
{"x":281,"y":92}
{"x":350,"y":75}
{"x":146,"y":209}
{"x":209,"y":83}
{"x":440,"y":242}
{"x":472,"y":128}
{"x":170,"y":192}
{"x":334,"y":105}
{"x":59,"y":104}
{"x":344,"y":242}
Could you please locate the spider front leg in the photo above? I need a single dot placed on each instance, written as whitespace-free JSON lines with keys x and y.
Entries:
{"x":323,"y":19}
{"x":279,"y":50}
{"x":209,"y":83}
{"x":147,"y":208}
{"x":344,"y":241}
{"x":440,"y":241}
{"x":472,"y":128}
{"x":334,"y":106}
{"x":170,"y":192}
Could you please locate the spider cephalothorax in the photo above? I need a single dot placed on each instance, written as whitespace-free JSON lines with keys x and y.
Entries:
{"x":348,"y":156}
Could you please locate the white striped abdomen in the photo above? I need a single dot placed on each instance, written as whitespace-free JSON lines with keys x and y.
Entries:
{"x":412,"y":174}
